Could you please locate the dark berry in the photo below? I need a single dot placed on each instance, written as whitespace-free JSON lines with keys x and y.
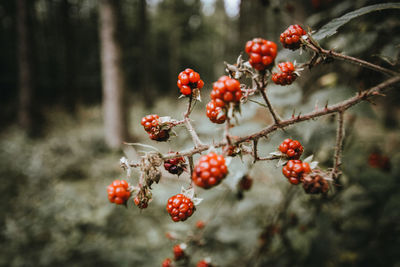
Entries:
{"x":290,"y":38}
{"x":180,"y":207}
{"x":292,"y":148}
{"x":262,"y":53}
{"x":209,"y":170}
{"x":175,"y":165}
{"x":118,"y":192}
{"x":315,"y":184}
{"x":245,"y":183}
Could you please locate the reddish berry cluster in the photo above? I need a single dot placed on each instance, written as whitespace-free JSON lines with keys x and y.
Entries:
{"x":167,"y":263}
{"x":204,"y":263}
{"x":377,"y":160}
{"x":262,"y":53}
{"x":189,"y":80}
{"x":175,"y":165}
{"x":315,"y":184}
{"x":226,"y":90}
{"x":210,"y":170}
{"x":179,"y":252}
{"x":290,"y":38}
{"x":214,"y":113}
{"x":180,"y":207}
{"x":152,"y":126}
{"x":294,"y":170}
{"x":118,"y":192}
{"x":287,"y":75}
{"x":292,"y":148}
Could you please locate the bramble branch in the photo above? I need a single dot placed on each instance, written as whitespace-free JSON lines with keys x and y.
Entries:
{"x":341,"y":106}
{"x":338,"y":146}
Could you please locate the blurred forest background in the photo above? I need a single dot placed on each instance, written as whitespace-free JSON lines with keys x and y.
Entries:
{"x":77,"y":76}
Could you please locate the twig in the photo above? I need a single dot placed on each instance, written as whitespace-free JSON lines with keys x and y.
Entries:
{"x":189,"y":127}
{"x":191,"y":168}
{"x":268,"y":158}
{"x":261,"y":88}
{"x":255,"y":152}
{"x":338,"y":146}
{"x":350,"y":59}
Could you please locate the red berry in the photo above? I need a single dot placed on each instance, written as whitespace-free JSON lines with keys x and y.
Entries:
{"x":294,"y":170}
{"x":215,"y":113}
{"x":151,"y":125}
{"x":189,"y":80}
{"x":262,"y":53}
{"x":179,"y":251}
{"x":118,"y":192}
{"x":292,"y":148}
{"x":167,"y":263}
{"x":180,"y":207}
{"x":200,"y":224}
{"x":209,"y":170}
{"x":287,"y":76}
{"x":226,"y":90}
{"x":204,"y":263}
{"x":175,"y":165}
{"x":290,"y":38}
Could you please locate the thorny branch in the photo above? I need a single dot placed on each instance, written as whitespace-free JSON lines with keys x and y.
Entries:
{"x":339,"y":145}
{"x":189,"y":127}
{"x":341,"y":106}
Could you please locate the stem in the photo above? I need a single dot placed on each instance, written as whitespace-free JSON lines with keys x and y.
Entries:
{"x":193,"y":134}
{"x":271,"y":109}
{"x":255,"y":152}
{"x":339,"y":146}
{"x":191,"y":168}
{"x":352,"y":60}
{"x":341,"y":106}
{"x":261,"y":88}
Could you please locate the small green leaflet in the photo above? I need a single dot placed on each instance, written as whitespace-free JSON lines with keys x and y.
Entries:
{"x":331,"y":27}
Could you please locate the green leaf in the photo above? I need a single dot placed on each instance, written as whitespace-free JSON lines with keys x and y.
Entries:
{"x":330,"y":28}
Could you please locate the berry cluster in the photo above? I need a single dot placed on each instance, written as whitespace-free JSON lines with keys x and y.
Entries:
{"x":188,"y":80}
{"x":294,"y":170}
{"x":245,"y":183}
{"x":210,"y":170}
{"x":175,"y":165}
{"x":118,"y":192}
{"x":290,"y":38}
{"x":262,"y":53}
{"x":226,"y":90}
{"x":377,"y":160}
{"x":315,"y":184}
{"x":180,"y":207}
{"x":179,"y":251}
{"x":214,"y":113}
{"x":141,"y":202}
{"x":287,"y":75}
{"x":167,"y":263}
{"x":292,"y":148}
{"x":204,"y":263}
{"x":151,"y":124}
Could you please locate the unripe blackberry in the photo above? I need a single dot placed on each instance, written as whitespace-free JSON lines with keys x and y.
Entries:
{"x":215,"y":113}
{"x":294,"y":170}
{"x":188,"y":80}
{"x":167,"y":263}
{"x":226,"y":90}
{"x":262,"y":53}
{"x":292,"y":148}
{"x":151,"y":125}
{"x":179,"y":251}
{"x":118,"y":192}
{"x":210,"y":170}
{"x":287,"y":76}
{"x":180,"y":207}
{"x":290,"y":38}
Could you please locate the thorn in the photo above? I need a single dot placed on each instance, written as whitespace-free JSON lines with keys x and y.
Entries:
{"x":294,"y":111}
{"x":298,"y":116}
{"x":326,"y":105}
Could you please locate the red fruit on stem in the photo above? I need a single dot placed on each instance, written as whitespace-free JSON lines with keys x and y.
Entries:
{"x":180,"y":207}
{"x":118,"y":192}
{"x":210,"y":170}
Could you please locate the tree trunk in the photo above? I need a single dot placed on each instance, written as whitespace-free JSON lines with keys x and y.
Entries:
{"x":25,"y":82}
{"x":112,"y":75}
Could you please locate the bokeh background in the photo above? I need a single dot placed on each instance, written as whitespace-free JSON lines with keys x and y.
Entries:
{"x":58,"y":153}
